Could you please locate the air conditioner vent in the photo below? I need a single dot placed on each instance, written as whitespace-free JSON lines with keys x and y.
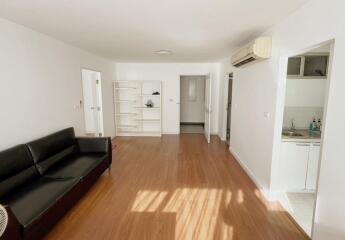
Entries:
{"x":258,"y":50}
{"x":248,"y":60}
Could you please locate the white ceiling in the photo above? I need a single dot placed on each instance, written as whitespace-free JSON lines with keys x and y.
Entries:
{"x":130,"y":30}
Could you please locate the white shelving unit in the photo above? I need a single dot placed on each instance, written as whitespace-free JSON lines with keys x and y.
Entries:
{"x":132,"y":116}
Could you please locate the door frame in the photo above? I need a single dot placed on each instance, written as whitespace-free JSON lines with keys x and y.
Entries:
{"x":208,"y":109}
{"x":179,"y":89}
{"x":280,"y":116}
{"x":226,"y":100}
{"x":99,"y":100}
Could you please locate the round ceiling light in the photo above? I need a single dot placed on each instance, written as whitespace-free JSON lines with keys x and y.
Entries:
{"x":163,"y":52}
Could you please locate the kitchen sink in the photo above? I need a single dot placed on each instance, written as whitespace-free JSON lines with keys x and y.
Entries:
{"x":292,"y":134}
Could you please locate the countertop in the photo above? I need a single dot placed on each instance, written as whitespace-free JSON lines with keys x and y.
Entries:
{"x":306,"y":136}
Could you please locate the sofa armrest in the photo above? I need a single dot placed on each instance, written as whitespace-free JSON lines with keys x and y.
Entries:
{"x":95,"y":145}
{"x":13,"y":227}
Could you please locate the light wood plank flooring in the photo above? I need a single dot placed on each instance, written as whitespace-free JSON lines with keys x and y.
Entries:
{"x":175,"y":188}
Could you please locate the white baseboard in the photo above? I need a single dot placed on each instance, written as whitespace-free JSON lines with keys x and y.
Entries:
{"x":266,"y":193}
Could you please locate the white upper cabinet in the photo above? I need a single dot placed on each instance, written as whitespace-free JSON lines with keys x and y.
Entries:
{"x":313,"y":65}
{"x":294,"y":66}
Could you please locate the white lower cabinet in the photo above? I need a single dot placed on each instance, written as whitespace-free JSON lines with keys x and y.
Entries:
{"x":299,"y":165}
{"x":313,"y":163}
{"x":294,"y":165}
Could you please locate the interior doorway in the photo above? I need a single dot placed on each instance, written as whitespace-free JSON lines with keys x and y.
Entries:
{"x":228,"y":108}
{"x":192,"y":104}
{"x":92,"y":96}
{"x":304,"y":118}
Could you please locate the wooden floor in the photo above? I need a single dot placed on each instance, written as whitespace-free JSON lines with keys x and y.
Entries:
{"x":175,"y":187}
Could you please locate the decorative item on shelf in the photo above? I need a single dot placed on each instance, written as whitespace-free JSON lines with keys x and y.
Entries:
{"x":156,"y":93}
{"x":149,"y":103}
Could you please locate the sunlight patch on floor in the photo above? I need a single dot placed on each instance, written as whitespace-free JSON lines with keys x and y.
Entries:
{"x":228,"y":196}
{"x":227,"y":232}
{"x":148,"y":201}
{"x":240,"y":197}
{"x":197,"y":211}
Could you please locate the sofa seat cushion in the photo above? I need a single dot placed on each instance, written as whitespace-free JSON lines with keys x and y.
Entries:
{"x":33,"y":200}
{"x":77,"y":166}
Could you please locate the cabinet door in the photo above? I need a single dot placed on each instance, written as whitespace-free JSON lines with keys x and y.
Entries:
{"x":313,"y":163}
{"x":294,"y":163}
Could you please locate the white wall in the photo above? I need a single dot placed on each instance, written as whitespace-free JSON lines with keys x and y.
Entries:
{"x":192,"y":111}
{"x":169,"y":74}
{"x":304,"y":100}
{"x":305,"y":92}
{"x":260,"y":88}
{"x":41,"y":84}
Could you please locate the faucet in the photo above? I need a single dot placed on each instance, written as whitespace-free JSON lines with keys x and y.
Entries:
{"x":292,"y":128}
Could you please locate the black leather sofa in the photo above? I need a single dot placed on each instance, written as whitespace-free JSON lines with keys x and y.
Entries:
{"x":41,"y":180}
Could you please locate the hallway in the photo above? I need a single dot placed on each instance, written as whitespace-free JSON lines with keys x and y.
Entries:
{"x":175,"y":187}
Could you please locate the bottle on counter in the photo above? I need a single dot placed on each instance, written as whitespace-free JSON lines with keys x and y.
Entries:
{"x":314,"y":125}
{"x":319,"y":124}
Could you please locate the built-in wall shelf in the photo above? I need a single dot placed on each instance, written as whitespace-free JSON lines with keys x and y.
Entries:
{"x":127,"y":126}
{"x":132,"y":116}
{"x":148,"y":108}
{"x":124,"y":101}
{"x":147,"y":120}
{"x":124,"y":114}
{"x":125,"y":88}
{"x":141,"y":133}
{"x":149,"y":95}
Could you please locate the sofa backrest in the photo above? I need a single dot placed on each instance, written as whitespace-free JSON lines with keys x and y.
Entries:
{"x":53,"y":148}
{"x":16,"y":168}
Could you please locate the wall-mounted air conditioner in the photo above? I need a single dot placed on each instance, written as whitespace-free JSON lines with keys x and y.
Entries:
{"x":257,"y":50}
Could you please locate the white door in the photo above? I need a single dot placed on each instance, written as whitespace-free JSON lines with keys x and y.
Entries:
{"x":92,"y":94}
{"x":313,"y":163}
{"x":294,"y":163}
{"x":208,"y":110}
